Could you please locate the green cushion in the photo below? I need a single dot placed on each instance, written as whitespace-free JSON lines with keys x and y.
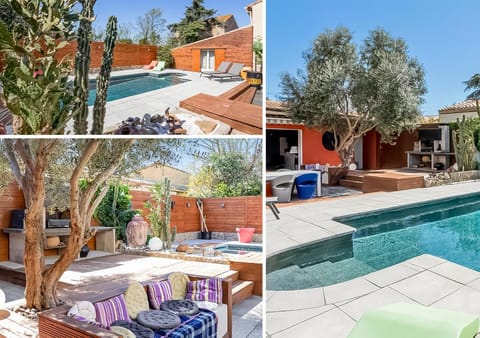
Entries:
{"x":414,"y":321}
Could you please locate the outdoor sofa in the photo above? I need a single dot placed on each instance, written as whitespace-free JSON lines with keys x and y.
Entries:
{"x":56,"y":322}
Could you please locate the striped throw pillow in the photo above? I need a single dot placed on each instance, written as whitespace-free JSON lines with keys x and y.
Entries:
{"x":209,"y":289}
{"x":158,"y":292}
{"x":111,"y":310}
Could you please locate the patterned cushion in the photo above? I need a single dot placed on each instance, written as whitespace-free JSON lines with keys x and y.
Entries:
{"x":138,"y":330}
{"x":179,"y":281}
{"x":124,"y":332}
{"x":136,"y":299}
{"x":111,"y":310}
{"x":159,"y":292}
{"x":209,"y":289}
{"x":84,"y":309}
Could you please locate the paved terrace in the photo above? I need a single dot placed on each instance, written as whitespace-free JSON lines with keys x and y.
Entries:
{"x":333,"y":310}
{"x":157,"y":101}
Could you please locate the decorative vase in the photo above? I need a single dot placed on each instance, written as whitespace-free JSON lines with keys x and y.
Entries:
{"x":53,"y":241}
{"x":84,"y":251}
{"x":155,"y":243}
{"x":137,"y":231}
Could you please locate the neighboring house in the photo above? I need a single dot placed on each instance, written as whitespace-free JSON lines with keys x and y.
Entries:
{"x":255,"y":12}
{"x":451,"y":113}
{"x":226,"y":23}
{"x":207,"y":54}
{"x":148,"y":176}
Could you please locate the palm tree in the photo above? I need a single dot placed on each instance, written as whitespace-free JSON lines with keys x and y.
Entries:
{"x":474,"y":83}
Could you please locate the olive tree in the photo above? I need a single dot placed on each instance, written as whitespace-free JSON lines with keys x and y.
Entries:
{"x":350,"y":90}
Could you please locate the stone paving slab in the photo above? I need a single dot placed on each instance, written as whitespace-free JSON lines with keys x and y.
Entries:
{"x":333,"y":310}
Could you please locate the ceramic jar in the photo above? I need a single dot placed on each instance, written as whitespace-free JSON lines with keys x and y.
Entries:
{"x":137,"y":231}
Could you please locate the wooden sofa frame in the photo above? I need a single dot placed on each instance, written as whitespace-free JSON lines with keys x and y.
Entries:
{"x":55,"y":323}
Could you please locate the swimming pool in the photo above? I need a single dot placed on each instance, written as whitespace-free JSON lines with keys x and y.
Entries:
{"x":130,"y":85}
{"x":238,"y":249}
{"x":447,"y":228}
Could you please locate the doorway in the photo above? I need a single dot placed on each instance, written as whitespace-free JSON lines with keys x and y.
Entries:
{"x":279,"y":145}
{"x":207,"y":59}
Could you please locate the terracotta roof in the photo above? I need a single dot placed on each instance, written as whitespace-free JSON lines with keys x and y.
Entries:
{"x":276,"y":113}
{"x":223,"y":18}
{"x":275,"y":105}
{"x":460,"y":107}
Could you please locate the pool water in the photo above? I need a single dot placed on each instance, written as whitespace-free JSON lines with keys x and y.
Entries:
{"x":130,"y":85}
{"x":449,"y":229}
{"x":238,"y":249}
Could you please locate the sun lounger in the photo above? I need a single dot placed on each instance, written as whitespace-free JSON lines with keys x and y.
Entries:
{"x":160,"y":66}
{"x":414,"y":321}
{"x":222,"y":69}
{"x":151,"y":65}
{"x":233,"y":72}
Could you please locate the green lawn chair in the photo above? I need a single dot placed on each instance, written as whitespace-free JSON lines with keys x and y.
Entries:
{"x":414,"y":321}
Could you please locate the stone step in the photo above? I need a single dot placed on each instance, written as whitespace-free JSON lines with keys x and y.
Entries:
{"x":351,"y":184}
{"x":241,"y":290}
{"x":357,"y":178}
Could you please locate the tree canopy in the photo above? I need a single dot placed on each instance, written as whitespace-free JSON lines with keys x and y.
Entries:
{"x":350,"y":90}
{"x":151,"y":27}
{"x":192,"y":26}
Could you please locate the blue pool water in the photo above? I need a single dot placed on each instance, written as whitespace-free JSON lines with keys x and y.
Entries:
{"x":129,"y":85}
{"x":238,"y":249}
{"x":449,"y":229}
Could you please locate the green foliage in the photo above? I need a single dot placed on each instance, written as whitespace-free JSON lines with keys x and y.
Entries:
{"x":226,"y":175}
{"x":258,"y":51}
{"x":474,"y":83}
{"x":465,"y":138}
{"x":192,"y":26}
{"x":164,"y":53}
{"x":159,"y":213}
{"x":115,"y":209}
{"x":350,"y":90}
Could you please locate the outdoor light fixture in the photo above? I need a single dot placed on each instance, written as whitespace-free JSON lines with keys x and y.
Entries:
{"x":172,"y":204}
{"x":188,"y":204}
{"x":222,"y":205}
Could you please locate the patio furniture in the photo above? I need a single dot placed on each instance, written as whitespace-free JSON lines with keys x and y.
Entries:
{"x":160,"y":66}
{"x":233,"y":72}
{"x":271,"y":204}
{"x":306,"y":185}
{"x":222,"y":69}
{"x":152,"y":65}
{"x":414,"y":321}
{"x":271,"y":175}
{"x":282,"y":187}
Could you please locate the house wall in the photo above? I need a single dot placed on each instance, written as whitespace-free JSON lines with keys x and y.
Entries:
{"x":256,"y":19}
{"x":234,"y":46}
{"x":313,"y":150}
{"x":452,"y":117}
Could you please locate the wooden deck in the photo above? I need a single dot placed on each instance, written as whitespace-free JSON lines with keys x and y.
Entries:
{"x":391,"y":181}
{"x":232,"y":107}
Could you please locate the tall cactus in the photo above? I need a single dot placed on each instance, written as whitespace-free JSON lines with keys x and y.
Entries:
{"x":82,"y":65}
{"x":159,"y":213}
{"x":463,"y":145}
{"x":104,"y":76}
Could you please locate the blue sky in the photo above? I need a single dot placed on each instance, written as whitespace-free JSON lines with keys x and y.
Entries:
{"x":441,"y":34}
{"x":173,"y":10}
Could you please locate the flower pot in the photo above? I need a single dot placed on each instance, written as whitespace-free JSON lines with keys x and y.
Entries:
{"x":205,"y":235}
{"x":245,"y":235}
{"x":254,"y":79}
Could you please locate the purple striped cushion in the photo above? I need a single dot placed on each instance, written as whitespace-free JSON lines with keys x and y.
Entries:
{"x":206,"y":289}
{"x":111,"y":310}
{"x":158,"y":292}
{"x":92,"y":322}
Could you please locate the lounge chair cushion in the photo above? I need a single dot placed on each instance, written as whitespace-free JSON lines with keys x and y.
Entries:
{"x":209,"y":289}
{"x":158,"y":292}
{"x":181,"y":307}
{"x":179,"y":281}
{"x":414,"y":321}
{"x":138,"y":330}
{"x":157,"y":319}
{"x":84,"y":309}
{"x":136,"y":299}
{"x":111,"y":310}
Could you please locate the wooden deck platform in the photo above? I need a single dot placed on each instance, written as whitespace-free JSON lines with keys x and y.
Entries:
{"x":232,"y":107}
{"x":391,"y":181}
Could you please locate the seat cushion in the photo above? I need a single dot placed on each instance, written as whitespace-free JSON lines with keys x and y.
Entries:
{"x":181,"y":307}
{"x":137,"y":329}
{"x":124,"y":332}
{"x":84,"y":309}
{"x":157,"y":319}
{"x":178,"y":281}
{"x":136,"y":299}
{"x":111,"y":310}
{"x":158,"y":292}
{"x":209,"y":289}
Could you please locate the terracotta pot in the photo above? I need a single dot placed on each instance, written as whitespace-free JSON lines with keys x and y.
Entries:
{"x":137,"y":231}
{"x":53,"y":241}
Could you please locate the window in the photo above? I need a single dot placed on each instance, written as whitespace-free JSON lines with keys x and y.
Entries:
{"x":207,"y":59}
